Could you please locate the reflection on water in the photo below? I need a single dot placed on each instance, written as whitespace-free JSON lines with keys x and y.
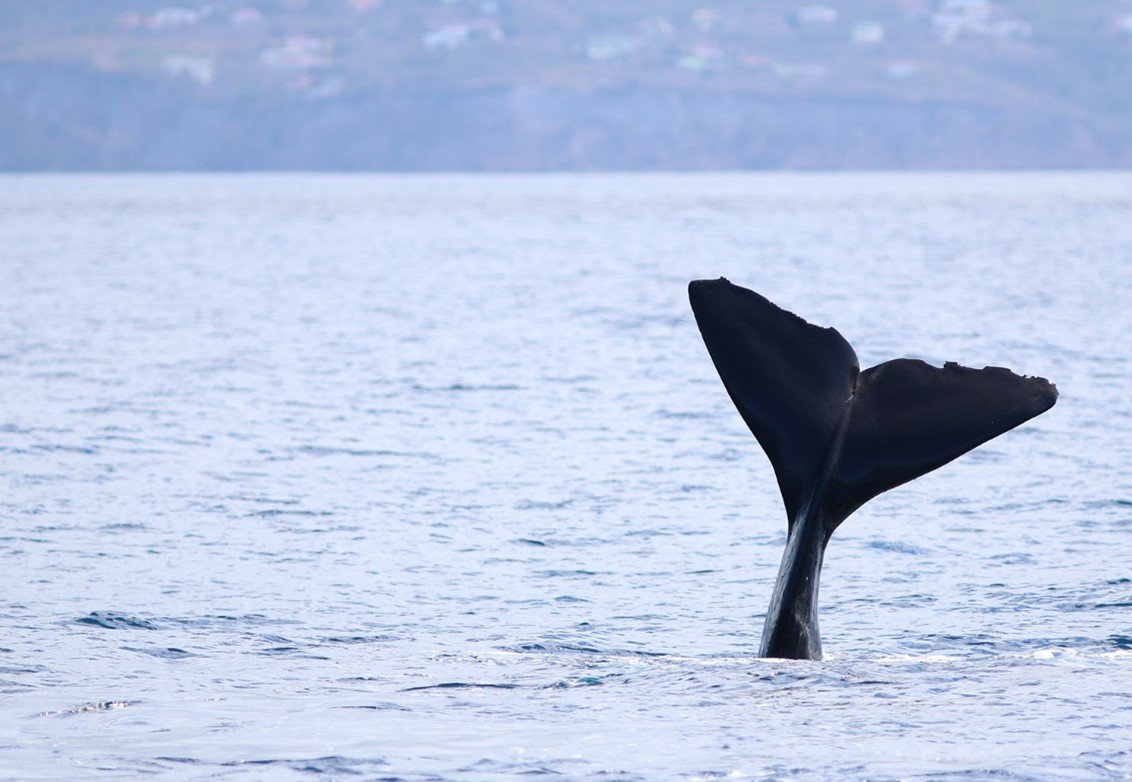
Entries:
{"x":432,"y":478}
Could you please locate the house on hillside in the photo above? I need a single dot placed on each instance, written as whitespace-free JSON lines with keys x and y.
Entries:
{"x":193,"y":67}
{"x":174,"y":17}
{"x":868,"y":33}
{"x":297,"y":53}
{"x":976,"y":17}
{"x":612,"y":47}
{"x":817,"y":15}
{"x":456,"y":34}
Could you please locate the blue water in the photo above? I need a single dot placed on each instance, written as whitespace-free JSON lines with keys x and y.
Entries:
{"x":431,"y":478}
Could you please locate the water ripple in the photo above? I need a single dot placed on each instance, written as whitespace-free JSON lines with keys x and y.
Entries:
{"x":430,"y":478}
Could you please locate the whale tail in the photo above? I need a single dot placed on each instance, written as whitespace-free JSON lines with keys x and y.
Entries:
{"x":837,"y":436}
{"x":826,"y":425}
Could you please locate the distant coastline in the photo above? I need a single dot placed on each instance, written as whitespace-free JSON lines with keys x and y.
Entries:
{"x":564,"y":85}
{"x":69,"y":118}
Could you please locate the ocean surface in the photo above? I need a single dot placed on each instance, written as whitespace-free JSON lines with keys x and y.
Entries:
{"x":431,"y":478}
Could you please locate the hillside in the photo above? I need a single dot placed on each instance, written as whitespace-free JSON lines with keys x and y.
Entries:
{"x":477,"y":84}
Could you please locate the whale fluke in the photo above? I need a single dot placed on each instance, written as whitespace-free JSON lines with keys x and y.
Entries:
{"x":837,"y":436}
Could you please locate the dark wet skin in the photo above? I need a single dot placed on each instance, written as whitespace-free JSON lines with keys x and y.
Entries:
{"x":837,"y":436}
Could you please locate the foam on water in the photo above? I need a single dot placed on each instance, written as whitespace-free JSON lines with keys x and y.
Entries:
{"x":430,"y":477}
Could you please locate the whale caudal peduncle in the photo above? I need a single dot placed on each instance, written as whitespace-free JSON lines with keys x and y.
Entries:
{"x":837,"y":436}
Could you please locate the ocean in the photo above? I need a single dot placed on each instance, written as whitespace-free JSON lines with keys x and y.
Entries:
{"x":430,"y":477}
